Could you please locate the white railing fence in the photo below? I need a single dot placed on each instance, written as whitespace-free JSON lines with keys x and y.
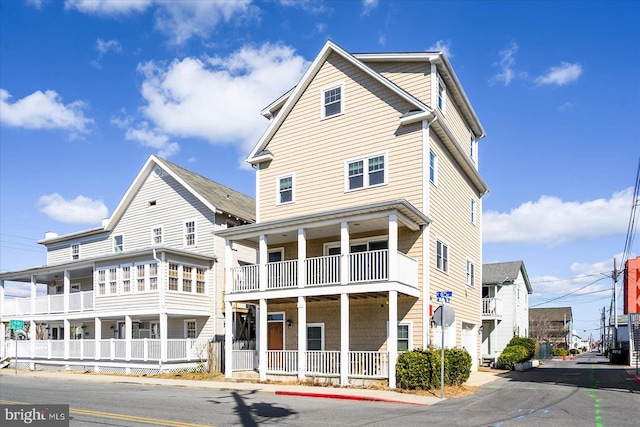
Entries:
{"x":282,"y":361}
{"x":49,"y":304}
{"x":372,"y":364}
{"x":282,"y":274}
{"x":369,"y":266}
{"x":491,"y":307}
{"x":322,"y":363}
{"x":324,"y":270}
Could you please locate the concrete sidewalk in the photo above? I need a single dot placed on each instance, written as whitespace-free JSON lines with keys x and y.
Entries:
{"x":476,"y":379}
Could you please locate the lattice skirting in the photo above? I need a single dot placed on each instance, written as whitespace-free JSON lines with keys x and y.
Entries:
{"x":109,"y":368}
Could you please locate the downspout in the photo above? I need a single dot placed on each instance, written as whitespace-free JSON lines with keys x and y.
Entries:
{"x":426,"y":301}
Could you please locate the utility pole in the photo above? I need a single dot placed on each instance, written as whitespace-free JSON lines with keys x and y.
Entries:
{"x":615,"y":305}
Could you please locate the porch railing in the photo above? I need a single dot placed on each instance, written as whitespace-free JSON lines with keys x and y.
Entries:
{"x":282,"y":361}
{"x":111,"y":349}
{"x":49,"y":304}
{"x":363,"y":267}
{"x":323,"y":363}
{"x":492,"y":308}
{"x":370,"y":364}
{"x":243,"y":360}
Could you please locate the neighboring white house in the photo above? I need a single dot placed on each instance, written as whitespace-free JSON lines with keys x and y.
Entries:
{"x":505,"y":306}
{"x":140,"y":293}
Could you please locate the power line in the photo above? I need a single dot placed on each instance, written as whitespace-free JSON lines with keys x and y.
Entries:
{"x":628,"y":244}
{"x":572,"y":292}
{"x":570,"y":278}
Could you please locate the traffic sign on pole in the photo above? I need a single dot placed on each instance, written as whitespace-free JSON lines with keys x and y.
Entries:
{"x":16,"y":324}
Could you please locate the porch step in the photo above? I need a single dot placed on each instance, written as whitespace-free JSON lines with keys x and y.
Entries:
{"x":245,"y":375}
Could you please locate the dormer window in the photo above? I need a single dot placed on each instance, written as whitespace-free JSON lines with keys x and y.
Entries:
{"x":118,"y":243}
{"x":332,"y":101}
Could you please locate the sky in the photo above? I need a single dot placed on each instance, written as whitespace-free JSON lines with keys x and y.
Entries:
{"x":90,"y":89}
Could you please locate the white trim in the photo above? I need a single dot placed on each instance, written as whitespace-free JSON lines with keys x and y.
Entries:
{"x":293,"y":188}
{"x":435,"y":168}
{"x":153,"y":237}
{"x":474,"y":211}
{"x":323,"y":106}
{"x":185,"y":327}
{"x":316,"y":325}
{"x":274,"y":250}
{"x":113,"y":243}
{"x":353,"y":242}
{"x":408,"y":323}
{"x":365,"y":171}
{"x":473,"y":277}
{"x":444,"y":243}
{"x":282,"y":322}
{"x":71,"y":246}
{"x":441,"y":99}
{"x":195,"y":233}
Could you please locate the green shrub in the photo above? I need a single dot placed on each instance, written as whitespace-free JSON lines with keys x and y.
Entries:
{"x":511,"y":355}
{"x":557,"y":351}
{"x":420,"y":369}
{"x":528,"y":343}
{"x":574,"y":351}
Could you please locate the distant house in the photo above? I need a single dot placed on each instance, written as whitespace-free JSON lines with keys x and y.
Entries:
{"x":551,"y":325}
{"x":138,"y":293}
{"x":505,"y":306}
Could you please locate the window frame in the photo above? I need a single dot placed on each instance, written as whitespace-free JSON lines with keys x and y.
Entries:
{"x":115,"y":244}
{"x":433,"y":167}
{"x":441,"y":95}
{"x":442,"y":257}
{"x":473,"y":211}
{"x":409,"y":325}
{"x":471,"y":274}
{"x":323,"y":105}
{"x":75,"y":251}
{"x":186,"y":233}
{"x":154,"y":236}
{"x":366,"y":172}
{"x":322,"y":329}
{"x":279,"y":179}
{"x":186,"y":328}
{"x":472,"y":145}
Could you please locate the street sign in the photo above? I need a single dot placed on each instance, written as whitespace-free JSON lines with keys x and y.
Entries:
{"x":444,"y":296}
{"x":448,"y":317}
{"x":16,"y":324}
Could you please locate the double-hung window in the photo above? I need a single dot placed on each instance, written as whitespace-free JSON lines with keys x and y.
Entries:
{"x":190,"y":328}
{"x":332,"y":101}
{"x":442,"y":256}
{"x":190,"y":233}
{"x":472,"y":145}
{"x":433,"y":164}
{"x":471,"y":274}
{"x":366,"y":172}
{"x":442,"y":92}
{"x":118,"y":243}
{"x":473,"y":211}
{"x":285,"y":189}
{"x":75,"y":251}
{"x":156,"y":235}
{"x":315,"y":336}
{"x":403,"y":337}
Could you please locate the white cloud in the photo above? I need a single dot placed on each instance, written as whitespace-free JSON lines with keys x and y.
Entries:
{"x":219,"y":99}
{"x":313,"y":7}
{"x":36,"y":3}
{"x":442,"y":46}
{"x":561,"y":75}
{"x":108,"y":7}
{"x":183,"y":20}
{"x":104,"y":47}
{"x":81,"y":210}
{"x":507,"y":66}
{"x":553,"y":221}
{"x":567,"y":106}
{"x":43,"y":111}
{"x":368,"y":6}
{"x":151,"y":138}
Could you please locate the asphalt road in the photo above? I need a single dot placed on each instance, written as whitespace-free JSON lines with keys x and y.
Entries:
{"x":584,"y":392}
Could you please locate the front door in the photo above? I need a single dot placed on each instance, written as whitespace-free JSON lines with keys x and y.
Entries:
{"x":275,"y":336}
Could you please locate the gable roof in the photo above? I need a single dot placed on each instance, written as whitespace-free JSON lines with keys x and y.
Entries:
{"x":257,"y":154}
{"x":553,"y":314}
{"x":504,"y":273}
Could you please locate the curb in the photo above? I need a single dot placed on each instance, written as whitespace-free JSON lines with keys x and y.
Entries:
{"x":346,"y":397}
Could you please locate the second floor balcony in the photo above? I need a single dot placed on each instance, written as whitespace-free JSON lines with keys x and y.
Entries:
{"x":327,"y":271}
{"x":492,"y":308}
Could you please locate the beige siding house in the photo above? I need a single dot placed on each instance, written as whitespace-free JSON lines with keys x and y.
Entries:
{"x":141,"y":293}
{"x":368,"y":203}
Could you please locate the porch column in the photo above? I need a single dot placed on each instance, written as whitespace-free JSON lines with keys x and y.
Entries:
{"x":98,"y":336}
{"x":228,"y":265}
{"x":128,"y":336}
{"x":32,"y":337}
{"x":2,"y":300}
{"x":302,"y":337}
{"x":262,"y":340}
{"x":34,"y":292}
{"x":393,"y":247}
{"x":344,"y":251}
{"x":67,"y":337}
{"x":392,"y":336}
{"x":263,"y":259}
{"x":344,"y":339}
{"x":228,"y":340}
{"x":2,"y":330}
{"x":302,"y":255}
{"x":164,"y":337}
{"x":67,"y":290}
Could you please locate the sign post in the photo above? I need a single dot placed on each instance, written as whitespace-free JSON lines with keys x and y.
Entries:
{"x":16,"y":325}
{"x":444,"y":297}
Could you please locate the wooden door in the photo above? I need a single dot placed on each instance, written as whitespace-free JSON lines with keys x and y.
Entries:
{"x":275,"y":336}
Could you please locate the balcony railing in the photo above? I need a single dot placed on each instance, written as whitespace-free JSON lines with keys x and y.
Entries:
{"x":111,"y":349}
{"x":49,"y":304}
{"x":363,"y":267}
{"x":492,"y":308}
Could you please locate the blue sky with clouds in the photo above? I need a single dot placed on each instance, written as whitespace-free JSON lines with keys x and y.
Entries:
{"x":90,"y":89}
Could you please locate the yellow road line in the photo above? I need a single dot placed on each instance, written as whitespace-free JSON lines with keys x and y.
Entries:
{"x":119,"y":416}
